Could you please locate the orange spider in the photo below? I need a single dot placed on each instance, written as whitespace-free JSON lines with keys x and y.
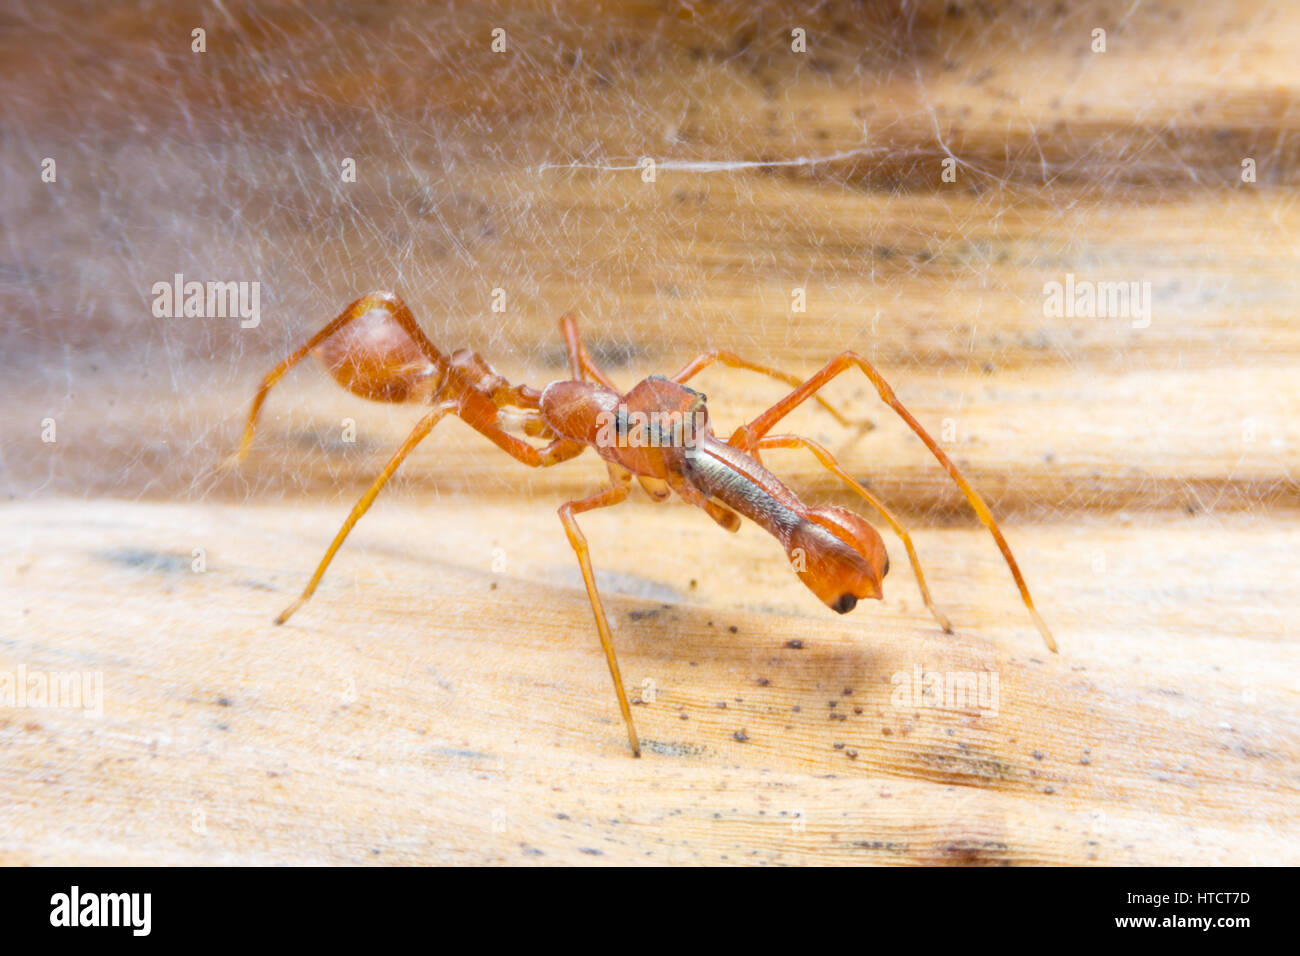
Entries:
{"x":658,"y":432}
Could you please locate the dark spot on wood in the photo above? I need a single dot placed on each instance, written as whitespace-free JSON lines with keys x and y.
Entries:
{"x":976,"y":851}
{"x":740,"y":736}
{"x":255,"y":585}
{"x":888,"y":846}
{"x":672,"y":748}
{"x":143,"y":559}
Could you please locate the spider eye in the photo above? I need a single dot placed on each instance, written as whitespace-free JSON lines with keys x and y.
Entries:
{"x":886,"y":571}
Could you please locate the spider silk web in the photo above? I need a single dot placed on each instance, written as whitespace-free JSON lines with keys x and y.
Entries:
{"x":776,"y":170}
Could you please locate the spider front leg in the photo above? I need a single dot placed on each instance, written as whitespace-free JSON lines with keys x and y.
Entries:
{"x":747,"y":438}
{"x":828,"y":461}
{"x":732,"y":360}
{"x":611,"y":496}
{"x":580,"y":360}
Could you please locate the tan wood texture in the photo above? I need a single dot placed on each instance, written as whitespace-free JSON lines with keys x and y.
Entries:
{"x":443,"y":698}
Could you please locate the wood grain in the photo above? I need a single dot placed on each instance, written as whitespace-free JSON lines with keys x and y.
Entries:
{"x":443,"y":698}
{"x":425,"y":708}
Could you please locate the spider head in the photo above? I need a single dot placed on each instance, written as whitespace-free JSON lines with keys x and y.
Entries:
{"x":839,"y":556}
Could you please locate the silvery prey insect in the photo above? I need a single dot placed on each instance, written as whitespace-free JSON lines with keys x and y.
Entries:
{"x":658,"y":433}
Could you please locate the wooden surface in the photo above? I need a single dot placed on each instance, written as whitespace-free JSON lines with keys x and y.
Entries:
{"x":443,"y":697}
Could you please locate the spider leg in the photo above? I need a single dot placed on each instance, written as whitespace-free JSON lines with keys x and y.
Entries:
{"x":552,"y":454}
{"x":616,"y":493}
{"x":388,"y":378}
{"x":580,"y":360}
{"x":829,"y":462}
{"x":732,"y":360}
{"x":747,"y":437}
{"x":418,"y":434}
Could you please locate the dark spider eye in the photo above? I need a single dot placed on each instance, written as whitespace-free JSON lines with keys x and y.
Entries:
{"x":846,"y":603}
{"x":886,"y":571}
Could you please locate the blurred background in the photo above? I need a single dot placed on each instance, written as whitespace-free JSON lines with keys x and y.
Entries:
{"x":822,"y":170}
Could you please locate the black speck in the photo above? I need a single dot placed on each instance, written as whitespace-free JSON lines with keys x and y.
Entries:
{"x":740,"y":736}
